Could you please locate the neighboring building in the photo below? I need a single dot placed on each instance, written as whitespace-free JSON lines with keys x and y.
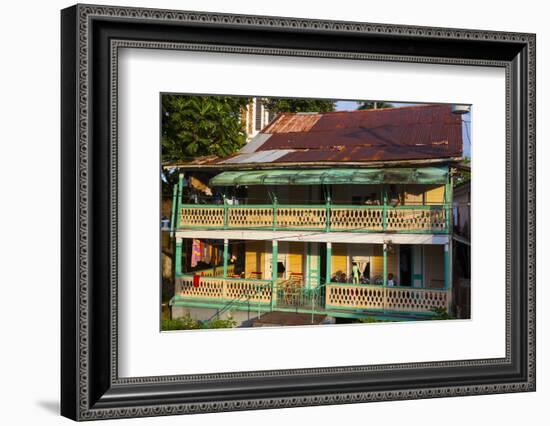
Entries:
{"x":462,"y":249}
{"x":255,"y":117}
{"x":342,"y":214}
{"x":462,"y":197}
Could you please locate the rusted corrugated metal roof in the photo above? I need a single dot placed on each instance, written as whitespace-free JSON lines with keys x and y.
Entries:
{"x":427,"y":132}
{"x":288,"y":122}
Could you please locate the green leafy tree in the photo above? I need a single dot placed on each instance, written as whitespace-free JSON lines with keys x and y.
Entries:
{"x":194,"y":126}
{"x":277,"y":105}
{"x":374,"y":105}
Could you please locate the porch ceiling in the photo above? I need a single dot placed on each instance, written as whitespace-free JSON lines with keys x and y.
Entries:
{"x":421,"y":175}
{"x":321,"y":237}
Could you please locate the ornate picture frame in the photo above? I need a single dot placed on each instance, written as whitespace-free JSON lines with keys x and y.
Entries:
{"x":91,"y":386}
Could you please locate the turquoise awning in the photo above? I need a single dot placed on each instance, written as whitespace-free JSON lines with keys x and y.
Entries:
{"x":419,"y":175}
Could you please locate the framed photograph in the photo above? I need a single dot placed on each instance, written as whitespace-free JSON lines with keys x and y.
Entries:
{"x":263,"y":212}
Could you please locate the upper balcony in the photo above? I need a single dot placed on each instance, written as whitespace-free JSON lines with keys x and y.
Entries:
{"x":406,"y":200}
{"x":323,"y":218}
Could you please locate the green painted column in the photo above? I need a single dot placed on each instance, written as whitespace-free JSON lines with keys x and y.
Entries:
{"x":225,"y":212}
{"x":385,"y":263}
{"x":327,"y":206}
{"x":225,"y":256}
{"x":449,"y":204}
{"x":179,"y":200}
{"x":177,"y":256}
{"x":446,"y":260}
{"x":180,"y":187}
{"x":174,"y":208}
{"x":274,"y":257}
{"x":384,"y":209}
{"x":329,"y":263}
{"x":275,"y":201}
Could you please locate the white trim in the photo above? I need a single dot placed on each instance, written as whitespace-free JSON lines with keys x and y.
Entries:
{"x":140,"y":343}
{"x":320,"y":237}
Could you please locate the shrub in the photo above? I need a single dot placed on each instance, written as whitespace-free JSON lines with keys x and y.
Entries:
{"x":441,"y":314}
{"x":188,"y":323}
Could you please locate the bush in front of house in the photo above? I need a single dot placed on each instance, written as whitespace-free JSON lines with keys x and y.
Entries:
{"x":188,"y":323}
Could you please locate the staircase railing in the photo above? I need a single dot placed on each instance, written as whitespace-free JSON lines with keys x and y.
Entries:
{"x":298,"y":297}
{"x":245,"y":298}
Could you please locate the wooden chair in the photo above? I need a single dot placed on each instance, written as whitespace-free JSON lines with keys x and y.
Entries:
{"x":297,"y":278}
{"x":292,"y":287}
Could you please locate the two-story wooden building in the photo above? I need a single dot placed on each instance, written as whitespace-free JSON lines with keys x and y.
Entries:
{"x":342,"y":214}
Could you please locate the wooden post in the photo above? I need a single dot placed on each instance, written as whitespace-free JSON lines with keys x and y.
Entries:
{"x":225,"y":256}
{"x":177,"y":257}
{"x":385,"y":263}
{"x":329,"y":263}
{"x":448,"y":276}
{"x":274,"y":256}
{"x":446,"y":259}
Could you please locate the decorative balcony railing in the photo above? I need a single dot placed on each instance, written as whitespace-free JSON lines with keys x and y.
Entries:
{"x":400,"y":299}
{"x":329,"y":218}
{"x":325,"y":298}
{"x":223,"y":289}
{"x":216,"y":271}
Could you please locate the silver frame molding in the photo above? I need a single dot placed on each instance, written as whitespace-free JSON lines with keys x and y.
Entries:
{"x":91,"y":39}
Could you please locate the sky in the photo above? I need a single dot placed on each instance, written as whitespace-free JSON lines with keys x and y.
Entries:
{"x":466,"y":121}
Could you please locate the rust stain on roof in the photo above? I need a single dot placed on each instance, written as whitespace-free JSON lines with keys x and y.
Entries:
{"x":431,"y":131}
{"x":427,"y":132}
{"x":287,"y":122}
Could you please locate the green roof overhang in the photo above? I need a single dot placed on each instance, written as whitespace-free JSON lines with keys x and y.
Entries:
{"x":418,"y":175}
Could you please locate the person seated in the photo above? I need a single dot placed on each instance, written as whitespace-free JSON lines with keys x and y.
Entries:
{"x":390,"y":282}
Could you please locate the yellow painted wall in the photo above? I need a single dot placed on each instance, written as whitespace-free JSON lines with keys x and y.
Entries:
{"x":435,"y":195}
{"x":408,"y":194}
{"x":339,"y":258}
{"x":377,"y":262}
{"x":295,"y":258}
{"x":414,"y":196}
{"x":254,"y":257}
